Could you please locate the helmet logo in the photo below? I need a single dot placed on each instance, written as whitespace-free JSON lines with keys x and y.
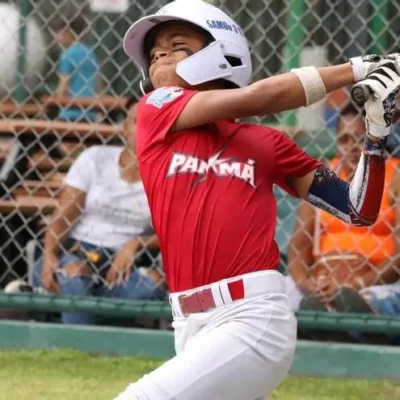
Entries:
{"x":222,"y":25}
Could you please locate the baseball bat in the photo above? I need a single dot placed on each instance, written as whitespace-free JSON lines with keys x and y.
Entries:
{"x":360,"y":93}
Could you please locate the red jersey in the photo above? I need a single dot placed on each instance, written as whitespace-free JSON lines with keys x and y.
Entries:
{"x":210,"y":190}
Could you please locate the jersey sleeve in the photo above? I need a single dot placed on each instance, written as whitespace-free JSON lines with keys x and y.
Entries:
{"x":156,"y":114}
{"x":81,"y":173}
{"x":290,"y":161}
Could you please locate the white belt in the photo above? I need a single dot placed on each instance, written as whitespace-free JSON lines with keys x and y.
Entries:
{"x":220,"y":293}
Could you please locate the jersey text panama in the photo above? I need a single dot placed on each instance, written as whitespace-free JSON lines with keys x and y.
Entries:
{"x":184,"y":164}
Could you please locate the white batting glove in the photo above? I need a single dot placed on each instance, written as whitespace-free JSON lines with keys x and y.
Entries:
{"x":384,"y":84}
{"x":363,"y":65}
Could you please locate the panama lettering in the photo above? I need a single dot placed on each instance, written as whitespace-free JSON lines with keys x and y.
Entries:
{"x":224,"y":167}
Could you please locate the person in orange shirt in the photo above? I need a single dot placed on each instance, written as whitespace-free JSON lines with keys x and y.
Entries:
{"x":329,"y":262}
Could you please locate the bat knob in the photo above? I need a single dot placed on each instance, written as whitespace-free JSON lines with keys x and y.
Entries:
{"x":360,"y":93}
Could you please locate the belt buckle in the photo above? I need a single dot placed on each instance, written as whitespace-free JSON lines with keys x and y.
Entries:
{"x":181,"y":306}
{"x":199,"y":302}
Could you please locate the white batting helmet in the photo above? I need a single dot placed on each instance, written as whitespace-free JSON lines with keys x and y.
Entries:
{"x":227,"y":57}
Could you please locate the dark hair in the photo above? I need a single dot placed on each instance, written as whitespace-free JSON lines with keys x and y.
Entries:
{"x":353,"y":109}
{"x":129,"y":104}
{"x":131,"y":101}
{"x":350,"y":109}
{"x":77,"y":26}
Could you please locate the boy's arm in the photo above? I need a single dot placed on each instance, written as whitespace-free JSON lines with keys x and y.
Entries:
{"x":358,"y":203}
{"x":302,"y":87}
{"x":62,"y":89}
{"x":65,"y":69}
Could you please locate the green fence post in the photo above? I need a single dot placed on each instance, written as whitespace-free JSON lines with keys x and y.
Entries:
{"x":295,"y":37}
{"x":25,"y":9}
{"x":378,"y":27}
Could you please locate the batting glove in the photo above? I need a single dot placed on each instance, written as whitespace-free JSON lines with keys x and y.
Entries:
{"x":384,"y":84}
{"x":363,"y":65}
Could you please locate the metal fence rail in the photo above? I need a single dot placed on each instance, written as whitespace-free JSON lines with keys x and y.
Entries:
{"x":131,"y":310}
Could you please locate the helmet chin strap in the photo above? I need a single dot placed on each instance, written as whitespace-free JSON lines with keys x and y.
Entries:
{"x":146,"y":86}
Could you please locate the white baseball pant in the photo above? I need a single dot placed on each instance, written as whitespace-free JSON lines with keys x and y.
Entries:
{"x":240,"y":350}
{"x":293,"y":292}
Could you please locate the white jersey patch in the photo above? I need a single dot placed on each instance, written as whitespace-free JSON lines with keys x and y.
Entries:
{"x":164,"y":95}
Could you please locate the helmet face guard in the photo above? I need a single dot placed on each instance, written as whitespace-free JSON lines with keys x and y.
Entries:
{"x":146,"y":85}
{"x":227,"y":43}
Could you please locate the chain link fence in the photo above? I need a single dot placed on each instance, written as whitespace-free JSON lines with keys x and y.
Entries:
{"x":39,"y":144}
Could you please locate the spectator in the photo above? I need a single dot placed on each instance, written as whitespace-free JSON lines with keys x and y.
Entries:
{"x":325,"y":255}
{"x":102,"y":224}
{"x":394,"y":140}
{"x":78,"y":71}
{"x":382,"y":299}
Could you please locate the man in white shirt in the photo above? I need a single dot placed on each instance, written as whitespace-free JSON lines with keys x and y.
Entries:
{"x":101,"y":226}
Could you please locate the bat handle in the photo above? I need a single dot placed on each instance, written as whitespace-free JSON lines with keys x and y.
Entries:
{"x":360,"y":93}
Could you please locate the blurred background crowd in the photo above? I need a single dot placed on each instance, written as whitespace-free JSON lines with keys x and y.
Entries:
{"x":74,"y":218}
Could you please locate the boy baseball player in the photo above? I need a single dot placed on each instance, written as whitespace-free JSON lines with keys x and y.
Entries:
{"x":209,"y":182}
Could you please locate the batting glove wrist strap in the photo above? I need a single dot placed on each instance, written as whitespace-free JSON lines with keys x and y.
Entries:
{"x":376,"y":131}
{"x":363,"y":65}
{"x":359,"y":68}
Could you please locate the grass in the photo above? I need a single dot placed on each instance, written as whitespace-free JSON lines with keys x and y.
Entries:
{"x":71,"y":375}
